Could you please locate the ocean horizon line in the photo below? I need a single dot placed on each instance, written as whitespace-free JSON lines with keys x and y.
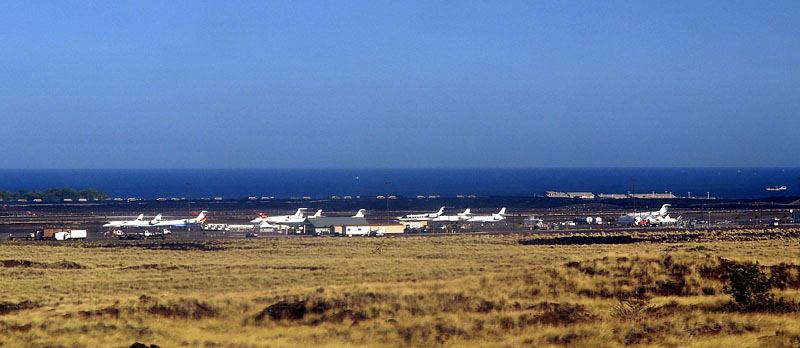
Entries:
{"x":402,"y":168}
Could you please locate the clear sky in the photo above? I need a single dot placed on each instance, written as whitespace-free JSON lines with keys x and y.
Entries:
{"x":300,"y":84}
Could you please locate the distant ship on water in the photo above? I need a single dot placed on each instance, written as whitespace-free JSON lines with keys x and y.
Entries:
{"x":776,"y":188}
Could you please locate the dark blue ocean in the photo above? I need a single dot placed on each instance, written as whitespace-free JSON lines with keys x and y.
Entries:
{"x":284,"y":183}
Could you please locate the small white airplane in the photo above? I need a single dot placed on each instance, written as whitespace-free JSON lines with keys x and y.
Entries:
{"x":453,"y":218}
{"x":489,"y":218}
{"x":139,"y":222}
{"x":260,"y":225}
{"x":292,"y":220}
{"x":360,"y":213}
{"x":121,"y":223}
{"x":297,"y":217}
{"x":153,"y":222}
{"x":201,"y":218}
{"x":661,"y":220}
{"x":421,"y":217}
{"x":650,"y":217}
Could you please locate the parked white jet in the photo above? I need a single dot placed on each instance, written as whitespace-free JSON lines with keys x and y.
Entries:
{"x":153,"y":222}
{"x":259,"y":225}
{"x":453,"y":218}
{"x":201,"y":218}
{"x":489,"y":218}
{"x":297,"y":217}
{"x":126,"y":223}
{"x":661,"y":220}
{"x":649,"y":217}
{"x":422,"y":217}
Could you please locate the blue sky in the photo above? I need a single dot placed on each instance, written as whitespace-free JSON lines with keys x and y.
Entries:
{"x":307,"y":84}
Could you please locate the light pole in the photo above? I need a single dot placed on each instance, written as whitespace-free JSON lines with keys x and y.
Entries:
{"x":188,"y":204}
{"x":387,"y":203}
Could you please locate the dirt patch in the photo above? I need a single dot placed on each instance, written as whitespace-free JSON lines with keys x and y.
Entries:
{"x":65,"y":265}
{"x":422,"y":335}
{"x":153,"y":266}
{"x":283,"y":310}
{"x":322,"y":311}
{"x":9,"y":328}
{"x":188,"y":309}
{"x":786,"y":276}
{"x":338,"y":317}
{"x":142,"y":345}
{"x":590,"y":270}
{"x":719,"y":272}
{"x":557,"y":314}
{"x":182,"y":246}
{"x":581,"y":240}
{"x":8,"y":307}
{"x":111,"y":312}
{"x":320,"y":307}
{"x":644,"y":333}
{"x":22,"y":263}
{"x":565,"y":339}
{"x":157,"y":245}
{"x":305,"y":268}
{"x":33,"y":264}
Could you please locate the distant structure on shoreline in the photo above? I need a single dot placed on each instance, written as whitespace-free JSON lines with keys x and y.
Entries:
{"x":590,"y":195}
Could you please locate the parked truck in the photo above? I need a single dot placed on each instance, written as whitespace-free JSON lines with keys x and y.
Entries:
{"x":50,"y":233}
{"x":71,"y":234}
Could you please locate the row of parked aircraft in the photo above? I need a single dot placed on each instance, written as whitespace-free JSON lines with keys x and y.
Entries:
{"x":158,"y":222}
{"x":296,"y":218}
{"x":262,"y":221}
{"x":660,"y":217}
{"x":466,"y":216}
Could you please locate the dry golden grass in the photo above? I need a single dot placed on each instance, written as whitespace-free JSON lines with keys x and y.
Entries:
{"x":456,"y":291}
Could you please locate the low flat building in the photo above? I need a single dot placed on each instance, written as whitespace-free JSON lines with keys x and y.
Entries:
{"x":612,"y":195}
{"x":383,"y":228}
{"x":653,"y":195}
{"x":344,"y":225}
{"x":556,"y":194}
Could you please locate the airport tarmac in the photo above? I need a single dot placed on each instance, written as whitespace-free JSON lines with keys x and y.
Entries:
{"x":17,"y":219}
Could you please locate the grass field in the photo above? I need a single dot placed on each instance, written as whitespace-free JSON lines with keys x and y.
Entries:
{"x":459,"y":291}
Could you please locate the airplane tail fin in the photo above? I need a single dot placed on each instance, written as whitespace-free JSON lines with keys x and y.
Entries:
{"x":201,"y":218}
{"x":466,"y":212}
{"x":140,"y":217}
{"x":502,"y":212}
{"x":360,"y":213}
{"x":318,"y":214}
{"x":300,"y":212}
{"x":261,"y":217}
{"x":663,"y":209}
{"x":156,"y":219}
{"x":440,"y":212}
